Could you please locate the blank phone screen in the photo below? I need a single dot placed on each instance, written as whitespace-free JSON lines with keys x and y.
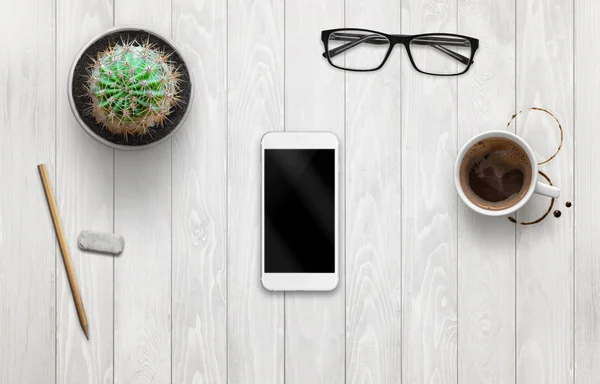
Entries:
{"x":299,"y":217}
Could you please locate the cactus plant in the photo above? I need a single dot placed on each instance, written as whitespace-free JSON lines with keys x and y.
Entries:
{"x":133,"y":87}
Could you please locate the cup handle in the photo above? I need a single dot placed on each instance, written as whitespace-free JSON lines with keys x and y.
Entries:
{"x":547,"y":190}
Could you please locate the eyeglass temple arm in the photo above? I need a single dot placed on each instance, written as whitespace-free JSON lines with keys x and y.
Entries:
{"x":356,"y":39}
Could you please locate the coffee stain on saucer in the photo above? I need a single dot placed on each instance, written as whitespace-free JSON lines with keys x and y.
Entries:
{"x":568,"y":204}
{"x":512,"y":219}
{"x":557,"y":213}
{"x":560,"y":128}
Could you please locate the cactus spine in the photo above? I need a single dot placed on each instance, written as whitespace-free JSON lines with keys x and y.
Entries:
{"x":132,"y":88}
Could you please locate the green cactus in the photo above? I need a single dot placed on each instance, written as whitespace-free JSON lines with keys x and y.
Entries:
{"x":133,"y":88}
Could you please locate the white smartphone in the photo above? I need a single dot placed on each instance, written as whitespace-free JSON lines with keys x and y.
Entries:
{"x":300,"y":209}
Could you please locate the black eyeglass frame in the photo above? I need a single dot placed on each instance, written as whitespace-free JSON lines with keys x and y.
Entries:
{"x":399,"y":39}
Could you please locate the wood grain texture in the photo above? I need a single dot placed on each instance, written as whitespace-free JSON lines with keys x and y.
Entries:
{"x":545,"y":251}
{"x":199,"y":298}
{"x":429,"y":209}
{"x":27,"y":241}
{"x":486,"y":246}
{"x":255,"y":348}
{"x":586,"y":209}
{"x":84,"y":192}
{"x":314,"y":101}
{"x":143,"y":217}
{"x":143,"y":271}
{"x":433,"y":292}
{"x":373,"y":215}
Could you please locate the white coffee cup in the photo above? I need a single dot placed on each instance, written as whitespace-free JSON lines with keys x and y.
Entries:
{"x":534,"y":187}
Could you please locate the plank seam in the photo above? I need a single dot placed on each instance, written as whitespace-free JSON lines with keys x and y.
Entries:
{"x":284,"y":128}
{"x":55,"y":183}
{"x":457,"y":219}
{"x":345,"y":221}
{"x":574,"y":186}
{"x":227,"y":192}
{"x":516,"y":213}
{"x":172,"y":231}
{"x":114,"y":370}
{"x":401,"y":212}
{"x":345,"y":224}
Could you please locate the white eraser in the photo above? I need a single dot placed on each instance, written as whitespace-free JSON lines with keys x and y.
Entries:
{"x":101,"y":242}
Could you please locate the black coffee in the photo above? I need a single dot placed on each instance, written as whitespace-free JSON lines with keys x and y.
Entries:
{"x":495,"y":173}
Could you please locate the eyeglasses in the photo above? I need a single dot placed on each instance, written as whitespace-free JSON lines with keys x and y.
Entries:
{"x":362,"y":50}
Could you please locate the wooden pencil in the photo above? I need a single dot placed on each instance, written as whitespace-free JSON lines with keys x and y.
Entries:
{"x":60,"y":235}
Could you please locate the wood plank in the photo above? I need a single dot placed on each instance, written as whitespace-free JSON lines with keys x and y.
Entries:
{"x":314,"y":101}
{"x":544,"y":265}
{"x":199,"y":333}
{"x":373,"y":214}
{"x":486,"y":246}
{"x":27,"y":241}
{"x":585,"y":202}
{"x":143,"y":217}
{"x":85,"y":198}
{"x":255,"y":90}
{"x":429,"y":208}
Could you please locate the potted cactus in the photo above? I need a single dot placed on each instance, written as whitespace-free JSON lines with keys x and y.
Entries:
{"x":130,"y":88}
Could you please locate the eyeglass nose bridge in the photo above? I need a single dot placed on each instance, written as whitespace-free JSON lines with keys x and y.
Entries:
{"x":399,"y":39}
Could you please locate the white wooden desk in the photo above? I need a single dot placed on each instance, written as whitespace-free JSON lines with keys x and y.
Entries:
{"x":430,"y":292}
